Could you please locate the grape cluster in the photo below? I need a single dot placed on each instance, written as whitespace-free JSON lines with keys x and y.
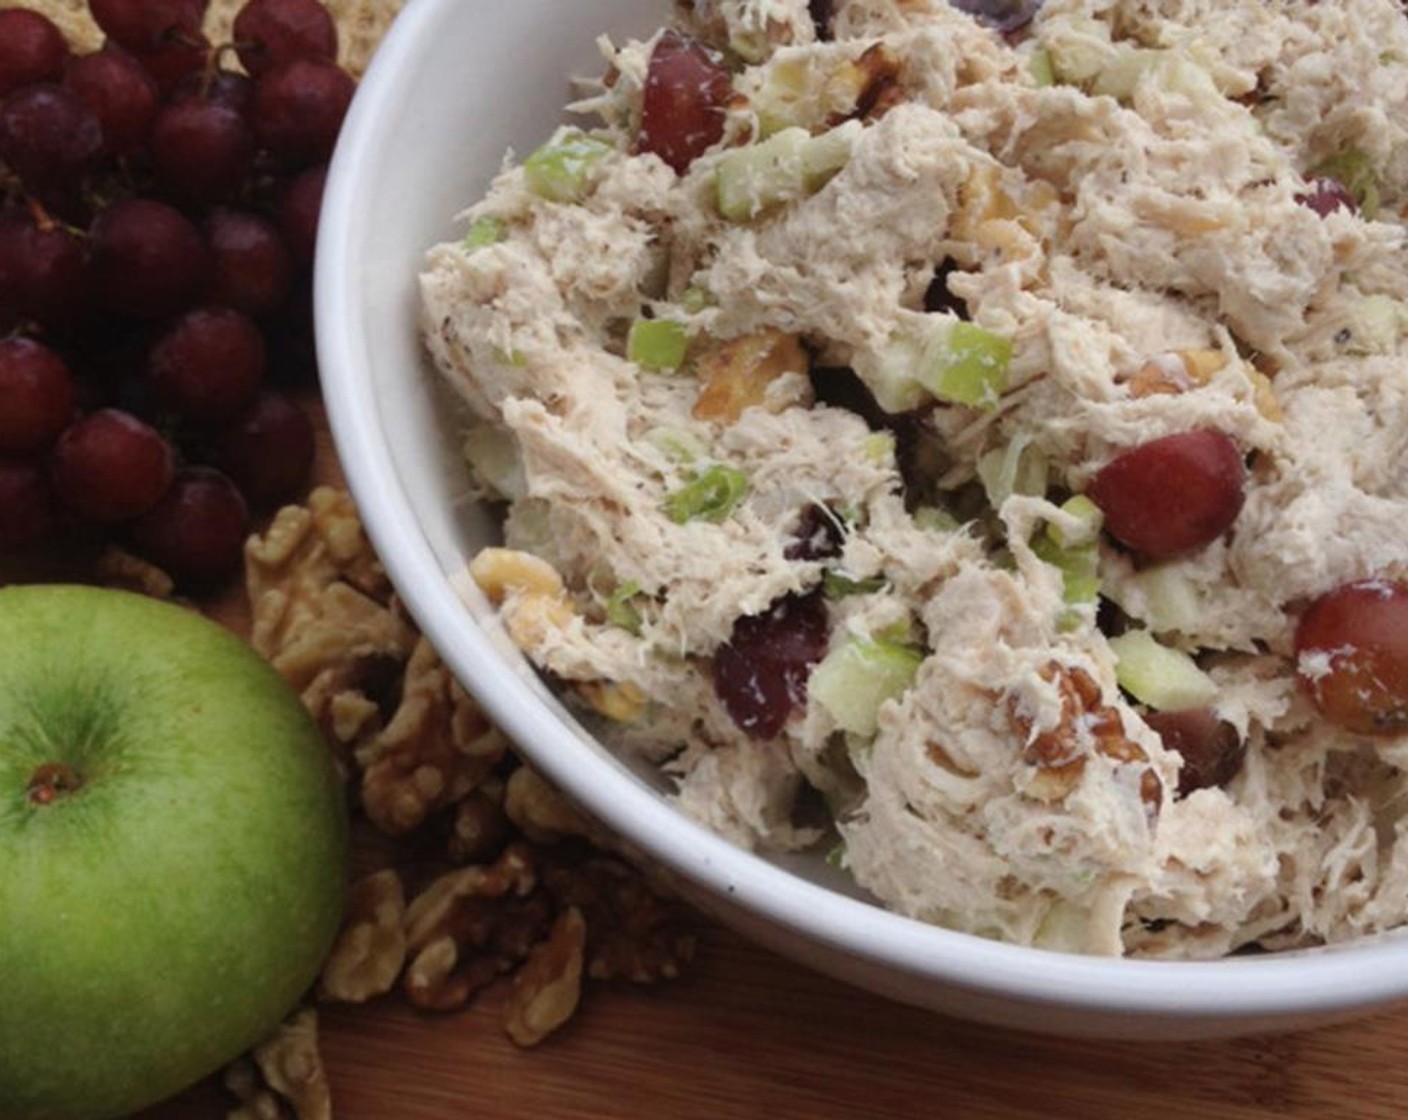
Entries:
{"x":159,"y":203}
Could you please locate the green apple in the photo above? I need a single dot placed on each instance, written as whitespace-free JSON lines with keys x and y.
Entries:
{"x":173,"y":843}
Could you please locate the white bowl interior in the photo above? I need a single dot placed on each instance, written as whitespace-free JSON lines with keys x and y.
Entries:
{"x":455,"y":86}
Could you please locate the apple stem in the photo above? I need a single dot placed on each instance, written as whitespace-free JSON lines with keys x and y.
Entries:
{"x":51,"y":781}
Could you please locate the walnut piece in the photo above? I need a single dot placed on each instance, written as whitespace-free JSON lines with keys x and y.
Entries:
{"x":739,"y":374}
{"x":370,"y":950}
{"x":116,"y":567}
{"x":548,"y":986}
{"x":291,"y":1070}
{"x":538,"y":811}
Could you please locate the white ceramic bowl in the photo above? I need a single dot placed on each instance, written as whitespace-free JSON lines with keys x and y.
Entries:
{"x":454,"y":86}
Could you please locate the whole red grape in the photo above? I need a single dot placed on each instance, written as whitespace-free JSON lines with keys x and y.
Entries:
{"x":298,"y":109}
{"x":268,"y":451}
{"x":682,"y":107}
{"x":196,"y":531}
{"x":270,"y":33}
{"x":299,"y":209}
{"x":1172,"y":495}
{"x":32,"y":49}
{"x":1352,"y":656}
{"x":202,"y":151}
{"x":121,"y":94}
{"x":111,"y":467}
{"x":49,"y":137}
{"x":26,"y":504}
{"x":43,"y":272}
{"x":37,"y":395}
{"x":208,"y":365}
{"x":144,"y":25}
{"x":1212,"y":750}
{"x":148,"y":260}
{"x":174,"y":62}
{"x":251,"y":269}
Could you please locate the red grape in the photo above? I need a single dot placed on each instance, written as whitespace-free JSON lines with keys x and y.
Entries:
{"x":32,"y":49}
{"x":299,"y":209}
{"x":1212,"y":750}
{"x":208,"y":365}
{"x":144,"y":25}
{"x":760,"y":673}
{"x":1352,"y":656}
{"x":298,"y":109}
{"x":293,"y":354}
{"x":37,"y":395}
{"x":26,"y":505}
{"x":1328,"y":195}
{"x":1006,"y":16}
{"x":121,"y":94}
{"x":224,"y":87}
{"x":196,"y":531}
{"x":1172,"y":495}
{"x":43,"y":272}
{"x":176,"y":61}
{"x":148,"y":261}
{"x":268,"y":452}
{"x":202,"y":151}
{"x":269,"y":33}
{"x":682,"y":108}
{"x":111,"y":467}
{"x":251,"y":270}
{"x":49,"y":137}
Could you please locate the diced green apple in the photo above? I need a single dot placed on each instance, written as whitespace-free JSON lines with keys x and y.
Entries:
{"x":965,"y":364}
{"x":858,"y":676}
{"x":787,"y":166}
{"x":1166,"y":679}
{"x":483,"y":232}
{"x":657,"y":344}
{"x":563,"y":169}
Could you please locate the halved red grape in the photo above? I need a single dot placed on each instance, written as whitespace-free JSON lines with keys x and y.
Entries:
{"x":43,"y":272}
{"x":1328,"y":195}
{"x":270,"y":33}
{"x":682,"y":106}
{"x":761,"y":672}
{"x":268,"y":451}
{"x":1212,"y":750}
{"x":26,"y":504}
{"x":32,"y":49}
{"x":251,"y":269}
{"x":143,"y":25}
{"x":111,"y":467}
{"x":299,"y":209}
{"x":208,"y":365}
{"x":196,"y":531}
{"x":298,"y":109}
{"x":202,"y":151}
{"x":121,"y":94}
{"x":49,"y":137}
{"x":148,"y":260}
{"x":37,"y":395}
{"x":1172,"y":495}
{"x":1352,"y":656}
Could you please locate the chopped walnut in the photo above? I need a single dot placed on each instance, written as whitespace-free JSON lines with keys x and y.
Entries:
{"x":1176,"y":372}
{"x":480,"y":826}
{"x":291,"y":1069}
{"x":1059,"y":753}
{"x":116,"y":567}
{"x":471,"y":926}
{"x":546,"y":989}
{"x":370,"y":950}
{"x":872,"y":82}
{"x":538,"y":811}
{"x":743,"y":372}
{"x":528,"y":591}
{"x":437,"y":747}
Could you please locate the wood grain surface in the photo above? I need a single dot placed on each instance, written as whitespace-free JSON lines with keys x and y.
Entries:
{"x":747,"y":1034}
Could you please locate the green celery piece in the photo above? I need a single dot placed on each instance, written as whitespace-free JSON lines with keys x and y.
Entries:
{"x":1014,"y":469}
{"x":879,"y":447}
{"x":1355,"y":171}
{"x":1079,"y":566}
{"x":966,"y":364}
{"x":858,"y":676}
{"x":561,"y":170}
{"x":1089,"y":518}
{"x":836,"y":857}
{"x":620,"y":611}
{"x":1166,"y":679}
{"x":788,"y":165}
{"x":933,"y":519}
{"x":834,"y":585}
{"x":1041,"y":69}
{"x":709,"y":496}
{"x":657,"y":344}
{"x":694,"y":299}
{"x":493,"y":453}
{"x":484,"y":232}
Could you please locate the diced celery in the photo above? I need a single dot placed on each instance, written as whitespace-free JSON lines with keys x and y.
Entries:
{"x":965,"y":364}
{"x":1040,"y":68}
{"x":836,"y":857}
{"x":1170,"y":600}
{"x":1017,"y":468}
{"x":562,"y":169}
{"x":695,"y":299}
{"x":789,"y":165}
{"x":932,"y":519}
{"x":483,"y":232}
{"x":835,"y":585}
{"x":657,"y":344}
{"x":1355,"y":171}
{"x":1164,"y":678}
{"x":621,"y":611}
{"x":858,"y":676}
{"x":709,"y":496}
{"x":1089,"y":521}
{"x":493,"y":454}
{"x":1377,"y":321}
{"x":1079,"y":566}
{"x":679,"y":444}
{"x":879,"y":447}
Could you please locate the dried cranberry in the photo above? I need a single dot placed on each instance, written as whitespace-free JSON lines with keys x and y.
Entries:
{"x":818,"y":536}
{"x":1212,"y":750}
{"x":760,"y":673}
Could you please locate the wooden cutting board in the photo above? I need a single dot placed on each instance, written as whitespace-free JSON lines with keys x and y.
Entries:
{"x":747,"y":1034}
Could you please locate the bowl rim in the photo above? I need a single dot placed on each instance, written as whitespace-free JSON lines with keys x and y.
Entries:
{"x":1364,"y":973}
